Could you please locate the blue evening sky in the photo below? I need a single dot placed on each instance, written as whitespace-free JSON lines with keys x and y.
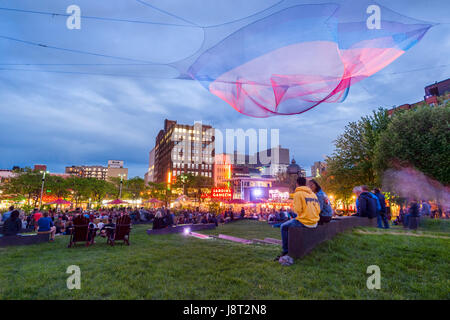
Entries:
{"x":63,"y":119}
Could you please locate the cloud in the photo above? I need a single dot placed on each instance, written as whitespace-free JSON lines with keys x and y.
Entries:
{"x":65,"y":119}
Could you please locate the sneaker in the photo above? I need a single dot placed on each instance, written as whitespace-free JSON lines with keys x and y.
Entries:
{"x":286,"y":260}
{"x":279,"y":256}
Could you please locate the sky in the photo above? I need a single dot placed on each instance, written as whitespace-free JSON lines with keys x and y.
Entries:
{"x":70,"y":118}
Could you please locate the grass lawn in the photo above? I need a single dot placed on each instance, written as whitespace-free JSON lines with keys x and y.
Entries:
{"x":179,"y":267}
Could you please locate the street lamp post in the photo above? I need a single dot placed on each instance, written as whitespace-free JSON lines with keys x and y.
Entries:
{"x":121,"y":184}
{"x":42,"y":188}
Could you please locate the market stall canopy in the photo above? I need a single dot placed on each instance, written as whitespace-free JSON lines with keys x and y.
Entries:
{"x":117,"y":201}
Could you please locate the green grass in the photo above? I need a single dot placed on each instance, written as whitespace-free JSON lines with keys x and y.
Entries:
{"x":179,"y":267}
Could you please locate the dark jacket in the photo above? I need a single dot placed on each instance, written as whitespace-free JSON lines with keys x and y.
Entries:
{"x":367,"y":205}
{"x":382,"y":200}
{"x":12,"y":227}
{"x":413,"y":209}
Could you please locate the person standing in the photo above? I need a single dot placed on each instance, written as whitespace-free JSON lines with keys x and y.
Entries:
{"x":242,"y":213}
{"x":413,"y":211}
{"x":426,"y":209}
{"x":382,"y":214}
{"x":306,"y":206}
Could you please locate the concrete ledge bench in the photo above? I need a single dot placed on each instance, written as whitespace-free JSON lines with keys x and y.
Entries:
{"x":23,"y":240}
{"x":180,"y":228}
{"x":268,"y":241}
{"x":235,"y":239}
{"x":302,"y":240}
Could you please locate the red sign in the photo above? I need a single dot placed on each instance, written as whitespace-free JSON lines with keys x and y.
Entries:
{"x":219,"y":193}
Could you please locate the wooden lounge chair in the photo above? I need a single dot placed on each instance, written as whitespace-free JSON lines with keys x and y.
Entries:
{"x":122,"y":231}
{"x":80,"y":231}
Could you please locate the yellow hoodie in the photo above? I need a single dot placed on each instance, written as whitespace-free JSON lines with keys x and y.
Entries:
{"x":306,"y":206}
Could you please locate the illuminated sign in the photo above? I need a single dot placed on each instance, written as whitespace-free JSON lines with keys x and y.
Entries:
{"x":219,"y":193}
{"x":278,"y":195}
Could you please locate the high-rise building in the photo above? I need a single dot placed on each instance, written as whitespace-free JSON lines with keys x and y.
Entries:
{"x":222,"y":170}
{"x":98,"y":172}
{"x":115,"y":169}
{"x":40,"y":167}
{"x":183,"y":149}
{"x":273,"y":162}
{"x":318,"y":168}
{"x":150,"y":174}
{"x":432,"y":94}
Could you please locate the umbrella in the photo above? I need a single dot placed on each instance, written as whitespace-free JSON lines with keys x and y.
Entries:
{"x":117,"y":201}
{"x":60,"y":201}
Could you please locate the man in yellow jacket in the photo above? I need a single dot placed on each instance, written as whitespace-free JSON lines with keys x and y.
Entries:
{"x":307,"y":208}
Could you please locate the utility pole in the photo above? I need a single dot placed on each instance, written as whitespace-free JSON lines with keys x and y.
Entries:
{"x":42,"y":188}
{"x":121,"y":184}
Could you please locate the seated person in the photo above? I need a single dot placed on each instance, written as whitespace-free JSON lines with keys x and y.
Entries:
{"x":59,"y":226}
{"x":68,"y":228}
{"x":12,"y":225}
{"x":45,"y":225}
{"x":108,"y":229}
{"x":213,"y":219}
{"x":306,"y":206}
{"x":326,"y":212}
{"x":92,"y":230}
{"x":100,"y":225}
{"x":159,"y":222}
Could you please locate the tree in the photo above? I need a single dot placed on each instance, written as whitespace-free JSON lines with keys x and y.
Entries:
{"x":199,"y":183}
{"x":135,"y":187}
{"x":57,"y":185}
{"x":160,"y":191}
{"x":185,"y":181}
{"x":99,"y":189}
{"x":27,"y":183}
{"x":351,"y":163}
{"x":418,"y":138}
{"x":79,"y":188}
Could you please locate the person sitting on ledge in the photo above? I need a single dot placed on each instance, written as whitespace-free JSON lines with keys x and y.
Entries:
{"x":306,"y":206}
{"x":326,"y":212}
{"x":366,"y":203}
{"x":7,"y":214}
{"x":13,"y":224}
{"x":159,"y":221}
{"x":46,"y":226}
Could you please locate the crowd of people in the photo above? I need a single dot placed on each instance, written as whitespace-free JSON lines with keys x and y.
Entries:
{"x":60,"y":222}
{"x":311,"y":207}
